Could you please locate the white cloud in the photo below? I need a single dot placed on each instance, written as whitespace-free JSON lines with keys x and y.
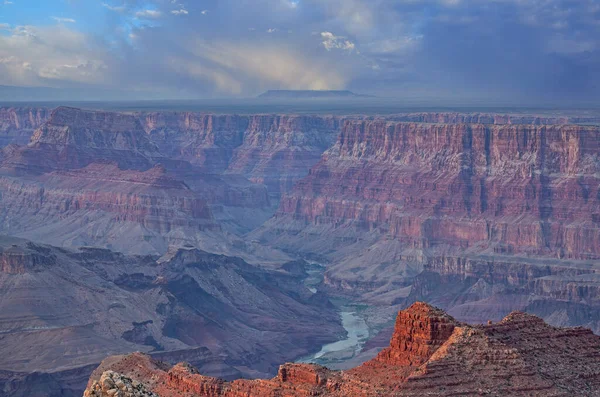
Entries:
{"x":271,"y":30}
{"x":237,"y":64}
{"x":204,"y":12}
{"x":180,"y":12}
{"x":7,"y":2}
{"x":64,"y":20}
{"x":115,"y":8}
{"x":148,"y":14}
{"x":331,"y":41}
{"x":32,"y":55}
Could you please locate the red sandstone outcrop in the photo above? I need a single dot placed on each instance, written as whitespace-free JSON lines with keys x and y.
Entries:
{"x":430,"y":354}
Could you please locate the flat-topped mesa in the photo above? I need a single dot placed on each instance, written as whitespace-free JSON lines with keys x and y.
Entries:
{"x":419,"y":331}
{"x":21,"y":259}
{"x":94,"y":129}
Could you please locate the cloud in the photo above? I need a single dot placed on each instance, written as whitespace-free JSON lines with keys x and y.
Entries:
{"x":518,"y":50}
{"x":121,"y":8}
{"x":49,"y":56}
{"x":148,"y":14}
{"x":64,"y":20}
{"x":331,"y":41}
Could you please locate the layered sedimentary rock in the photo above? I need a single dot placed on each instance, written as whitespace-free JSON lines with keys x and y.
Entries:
{"x":478,"y":214}
{"x":430,"y":354}
{"x":93,"y":178}
{"x":274,"y":150}
{"x":503,"y":189}
{"x":17,"y":124}
{"x":63,"y":310}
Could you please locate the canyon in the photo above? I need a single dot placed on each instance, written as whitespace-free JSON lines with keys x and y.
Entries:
{"x":430,"y":353}
{"x":64,"y":310}
{"x":479,"y":214}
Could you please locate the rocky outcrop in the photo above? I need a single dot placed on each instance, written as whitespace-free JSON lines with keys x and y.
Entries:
{"x":430,"y":354}
{"x":418,"y":333}
{"x":115,"y":385}
{"x":17,"y":259}
{"x":17,"y":124}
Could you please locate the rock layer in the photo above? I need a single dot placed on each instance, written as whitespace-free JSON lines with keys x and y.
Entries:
{"x":430,"y":354}
{"x":274,"y":150}
{"x":18,"y":124}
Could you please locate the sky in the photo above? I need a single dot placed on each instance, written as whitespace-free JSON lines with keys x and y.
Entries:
{"x":511,"y":50}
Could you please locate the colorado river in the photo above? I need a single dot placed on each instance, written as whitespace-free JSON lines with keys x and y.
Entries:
{"x":333,"y":354}
{"x":347,"y":348}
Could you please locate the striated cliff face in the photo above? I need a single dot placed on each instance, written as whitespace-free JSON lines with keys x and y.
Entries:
{"x":93,"y":178}
{"x":18,"y":124}
{"x":479,"y":219}
{"x":503,"y":189}
{"x":518,"y":190}
{"x":430,"y":354}
{"x":274,"y":150}
{"x":277,"y":151}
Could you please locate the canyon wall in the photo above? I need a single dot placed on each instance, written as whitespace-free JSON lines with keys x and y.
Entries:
{"x":17,"y":124}
{"x":478,"y":218}
{"x":274,"y":150}
{"x":530,"y":190}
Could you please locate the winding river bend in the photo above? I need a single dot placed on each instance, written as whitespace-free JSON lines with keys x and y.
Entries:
{"x":347,"y":348}
{"x":357,"y":330}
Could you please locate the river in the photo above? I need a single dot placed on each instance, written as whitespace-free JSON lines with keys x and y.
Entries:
{"x":351,"y":315}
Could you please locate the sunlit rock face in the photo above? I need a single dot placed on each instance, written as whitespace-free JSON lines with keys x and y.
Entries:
{"x":430,"y":354}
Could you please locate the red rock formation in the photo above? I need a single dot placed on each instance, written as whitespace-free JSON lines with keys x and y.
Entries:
{"x":515,"y":189}
{"x":418,"y":333}
{"x":430,"y":354}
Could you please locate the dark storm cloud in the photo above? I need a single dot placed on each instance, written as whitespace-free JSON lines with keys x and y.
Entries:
{"x":522,"y":50}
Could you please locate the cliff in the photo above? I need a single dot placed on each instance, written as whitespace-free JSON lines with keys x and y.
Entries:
{"x":430,"y":354}
{"x":18,"y":124}
{"x":93,"y":177}
{"x":274,"y":150}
